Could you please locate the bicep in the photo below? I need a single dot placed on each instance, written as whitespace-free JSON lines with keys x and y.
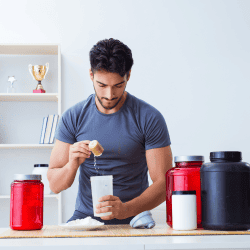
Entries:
{"x":159,"y":161}
{"x":59,"y":155}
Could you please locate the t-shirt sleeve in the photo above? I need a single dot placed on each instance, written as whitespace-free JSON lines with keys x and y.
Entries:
{"x":66,"y":129}
{"x":156,"y":131}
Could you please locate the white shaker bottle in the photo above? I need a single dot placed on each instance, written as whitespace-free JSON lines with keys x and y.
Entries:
{"x":184,"y":210}
{"x":101,"y":186}
{"x":42,"y":169}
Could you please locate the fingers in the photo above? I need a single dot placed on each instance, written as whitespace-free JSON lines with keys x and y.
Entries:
{"x":106,"y":210}
{"x":113,"y":206}
{"x":82,"y":148}
{"x":108,"y":198}
{"x":105,"y":203}
{"x":85,"y":142}
{"x":79,"y":152}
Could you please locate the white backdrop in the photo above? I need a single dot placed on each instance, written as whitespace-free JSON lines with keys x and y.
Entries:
{"x":191,"y":62}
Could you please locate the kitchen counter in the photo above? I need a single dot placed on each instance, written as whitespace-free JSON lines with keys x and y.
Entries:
{"x":131,"y":243}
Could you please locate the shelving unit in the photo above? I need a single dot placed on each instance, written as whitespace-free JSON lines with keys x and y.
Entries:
{"x":15,"y":51}
{"x":29,"y":97}
{"x":19,"y":146}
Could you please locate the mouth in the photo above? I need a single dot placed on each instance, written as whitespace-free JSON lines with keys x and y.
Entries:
{"x":110,"y":100}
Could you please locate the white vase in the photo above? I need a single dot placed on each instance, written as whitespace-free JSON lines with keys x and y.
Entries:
{"x":42,"y":169}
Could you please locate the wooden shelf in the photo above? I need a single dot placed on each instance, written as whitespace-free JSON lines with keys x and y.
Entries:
{"x":29,"y":49}
{"x":29,"y":97}
{"x":24,"y":146}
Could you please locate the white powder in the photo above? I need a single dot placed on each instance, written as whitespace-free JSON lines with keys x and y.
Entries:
{"x":88,"y":221}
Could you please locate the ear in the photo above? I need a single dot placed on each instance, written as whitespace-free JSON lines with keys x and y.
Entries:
{"x":129,"y":75}
{"x":91,"y":75}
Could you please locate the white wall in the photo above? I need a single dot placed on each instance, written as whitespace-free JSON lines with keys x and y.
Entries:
{"x":191,"y":62}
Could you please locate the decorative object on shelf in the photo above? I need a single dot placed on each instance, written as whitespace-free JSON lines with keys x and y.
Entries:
{"x":48,"y":129}
{"x":39,"y":72}
{"x":45,"y":120}
{"x":11,"y":89}
{"x":54,"y":126}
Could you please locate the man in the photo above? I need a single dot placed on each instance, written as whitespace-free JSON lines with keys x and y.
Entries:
{"x":134,"y":136}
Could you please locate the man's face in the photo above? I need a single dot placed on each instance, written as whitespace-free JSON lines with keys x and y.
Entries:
{"x":109,"y":87}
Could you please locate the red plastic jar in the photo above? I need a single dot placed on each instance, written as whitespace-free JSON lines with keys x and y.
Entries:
{"x":185,"y":176}
{"x":26,"y":202}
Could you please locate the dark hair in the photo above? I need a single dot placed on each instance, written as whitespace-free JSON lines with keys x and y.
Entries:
{"x":112,"y":56}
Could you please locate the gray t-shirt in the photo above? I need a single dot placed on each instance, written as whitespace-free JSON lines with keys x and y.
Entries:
{"x":125,"y":136}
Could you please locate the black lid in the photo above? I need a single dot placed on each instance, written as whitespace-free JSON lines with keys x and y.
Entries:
{"x":233,"y":156}
{"x":41,"y":165}
{"x":184,"y":192}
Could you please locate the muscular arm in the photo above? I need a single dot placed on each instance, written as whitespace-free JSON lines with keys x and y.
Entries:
{"x":61,"y":172}
{"x":159,"y":161}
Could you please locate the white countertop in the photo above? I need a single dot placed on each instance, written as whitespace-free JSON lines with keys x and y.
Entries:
{"x":131,"y":243}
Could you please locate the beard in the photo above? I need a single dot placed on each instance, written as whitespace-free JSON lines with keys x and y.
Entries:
{"x":108,"y":108}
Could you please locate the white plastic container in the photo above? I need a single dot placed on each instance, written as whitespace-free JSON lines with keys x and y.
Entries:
{"x":101,"y":186}
{"x":184,"y":210}
{"x":42,"y":169}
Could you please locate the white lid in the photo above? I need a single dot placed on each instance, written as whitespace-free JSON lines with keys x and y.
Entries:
{"x":22,"y":177}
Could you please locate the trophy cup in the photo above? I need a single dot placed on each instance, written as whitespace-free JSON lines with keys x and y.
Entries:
{"x":39,"y":72}
{"x":11,"y":89}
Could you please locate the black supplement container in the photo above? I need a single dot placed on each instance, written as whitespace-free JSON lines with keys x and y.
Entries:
{"x":225,"y":192}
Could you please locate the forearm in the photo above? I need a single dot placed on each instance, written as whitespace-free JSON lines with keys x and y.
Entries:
{"x":152,"y":197}
{"x":62,"y":178}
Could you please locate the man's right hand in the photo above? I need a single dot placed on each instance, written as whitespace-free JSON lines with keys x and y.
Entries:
{"x":79,"y":151}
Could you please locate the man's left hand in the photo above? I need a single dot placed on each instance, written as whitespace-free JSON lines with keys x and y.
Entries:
{"x":118,"y":209}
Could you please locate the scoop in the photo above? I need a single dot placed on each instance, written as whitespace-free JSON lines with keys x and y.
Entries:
{"x":96,"y":148}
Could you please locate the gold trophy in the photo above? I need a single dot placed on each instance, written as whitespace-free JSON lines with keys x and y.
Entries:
{"x":39,"y":72}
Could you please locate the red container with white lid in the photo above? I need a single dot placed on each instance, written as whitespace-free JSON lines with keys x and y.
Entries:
{"x":26,"y":202}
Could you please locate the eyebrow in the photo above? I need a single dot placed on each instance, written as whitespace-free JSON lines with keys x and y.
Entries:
{"x":114,"y":85}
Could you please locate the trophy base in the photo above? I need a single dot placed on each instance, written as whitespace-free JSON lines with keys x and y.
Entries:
{"x":39,"y":91}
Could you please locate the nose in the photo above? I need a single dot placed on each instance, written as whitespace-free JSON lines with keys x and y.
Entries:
{"x":110,"y":94}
